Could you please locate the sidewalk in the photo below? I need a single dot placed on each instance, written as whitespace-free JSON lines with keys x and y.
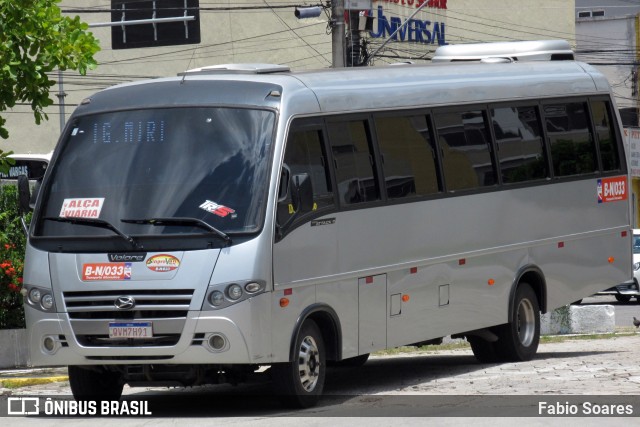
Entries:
{"x":18,"y":378}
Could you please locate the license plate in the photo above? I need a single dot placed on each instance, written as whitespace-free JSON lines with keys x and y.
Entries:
{"x":131,"y":330}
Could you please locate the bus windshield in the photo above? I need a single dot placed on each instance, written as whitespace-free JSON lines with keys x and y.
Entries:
{"x":159,"y":172}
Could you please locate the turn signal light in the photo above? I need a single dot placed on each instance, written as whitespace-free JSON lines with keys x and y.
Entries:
{"x":284,"y":302}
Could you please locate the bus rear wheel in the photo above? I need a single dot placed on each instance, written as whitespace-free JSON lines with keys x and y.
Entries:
{"x":299,"y":383}
{"x":518,"y":340}
{"x":94,"y":383}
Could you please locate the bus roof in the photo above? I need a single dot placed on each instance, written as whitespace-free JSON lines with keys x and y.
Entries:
{"x":356,"y":89}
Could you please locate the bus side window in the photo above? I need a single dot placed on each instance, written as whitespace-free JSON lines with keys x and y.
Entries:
{"x":408,"y":158}
{"x":572,"y":145}
{"x":354,"y":162}
{"x":305,"y":154}
{"x":606,"y":136}
{"x":520,"y":144}
{"x":464,"y":143}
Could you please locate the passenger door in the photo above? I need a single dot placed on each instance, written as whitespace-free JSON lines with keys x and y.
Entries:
{"x":305,"y":246}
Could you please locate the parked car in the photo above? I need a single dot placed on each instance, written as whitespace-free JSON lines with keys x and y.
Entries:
{"x":627,"y":290}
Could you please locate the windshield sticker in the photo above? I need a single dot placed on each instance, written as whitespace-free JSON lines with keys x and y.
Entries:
{"x":106,"y":271}
{"x":81,"y":208}
{"x":220,"y":210}
{"x":163,"y":263}
{"x":612,"y":189}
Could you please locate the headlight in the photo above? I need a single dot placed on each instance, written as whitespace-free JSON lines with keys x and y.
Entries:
{"x":234,"y":291}
{"x":253,"y":287}
{"x":636,"y":266}
{"x":47,"y":301}
{"x":216,"y":298}
{"x":223,"y":295}
{"x":40,"y":298}
{"x":35,"y":295}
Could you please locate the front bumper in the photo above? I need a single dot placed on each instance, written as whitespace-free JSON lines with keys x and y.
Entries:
{"x":53,"y":343}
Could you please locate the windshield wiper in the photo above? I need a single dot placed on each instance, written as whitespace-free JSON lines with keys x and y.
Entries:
{"x":100,"y":223}
{"x":181,"y":221}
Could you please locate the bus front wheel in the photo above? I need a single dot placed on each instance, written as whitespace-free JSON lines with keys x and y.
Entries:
{"x":94,"y":383}
{"x":299,"y":383}
{"x":518,"y":340}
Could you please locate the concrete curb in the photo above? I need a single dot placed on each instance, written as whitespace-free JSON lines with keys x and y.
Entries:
{"x":575,"y":319}
{"x":25,"y":382}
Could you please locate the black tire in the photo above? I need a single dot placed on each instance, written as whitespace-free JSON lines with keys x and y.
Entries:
{"x":623,"y":298}
{"x":352,"y":362}
{"x":299,"y":383}
{"x":518,"y":340}
{"x":94,"y":383}
{"x":483,"y":350}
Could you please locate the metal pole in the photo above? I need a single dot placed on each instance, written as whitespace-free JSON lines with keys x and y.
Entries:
{"x":337,"y":33}
{"x":61,"y":95}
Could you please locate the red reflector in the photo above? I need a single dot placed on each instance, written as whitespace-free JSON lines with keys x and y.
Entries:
{"x":288,"y":291}
{"x":414,"y":270}
{"x":462,"y":261}
{"x":369,"y":280}
{"x":561,"y":244}
{"x":624,"y":234}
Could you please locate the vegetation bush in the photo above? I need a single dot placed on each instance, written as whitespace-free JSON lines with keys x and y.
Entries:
{"x":12,"y":246}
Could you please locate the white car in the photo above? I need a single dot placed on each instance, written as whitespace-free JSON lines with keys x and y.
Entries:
{"x":625,"y":291}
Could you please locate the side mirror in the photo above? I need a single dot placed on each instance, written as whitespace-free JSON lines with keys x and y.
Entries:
{"x":303,"y":193}
{"x":24,"y":195}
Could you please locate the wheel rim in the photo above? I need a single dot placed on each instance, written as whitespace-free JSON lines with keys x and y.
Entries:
{"x":308,"y":363}
{"x":526,"y":322}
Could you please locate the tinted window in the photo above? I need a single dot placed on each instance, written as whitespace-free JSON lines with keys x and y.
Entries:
{"x":408,"y":159}
{"x":572,"y":148}
{"x":606,"y":136}
{"x":354,"y":162}
{"x":464,"y":143}
{"x":208,"y":164}
{"x":305,"y":154}
{"x":520,"y":144}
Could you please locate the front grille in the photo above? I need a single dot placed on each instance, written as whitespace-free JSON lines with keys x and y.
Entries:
{"x":157,"y":304}
{"x":91,"y":312}
{"x":128,"y":357}
{"x":104,"y":340}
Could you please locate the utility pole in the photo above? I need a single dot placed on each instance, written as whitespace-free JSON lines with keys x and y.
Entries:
{"x":337,"y":33}
{"x":61,"y":95}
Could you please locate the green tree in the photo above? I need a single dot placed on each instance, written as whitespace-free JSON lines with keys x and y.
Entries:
{"x":35,"y":39}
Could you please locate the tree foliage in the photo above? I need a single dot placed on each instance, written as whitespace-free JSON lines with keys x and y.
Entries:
{"x":35,"y":39}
